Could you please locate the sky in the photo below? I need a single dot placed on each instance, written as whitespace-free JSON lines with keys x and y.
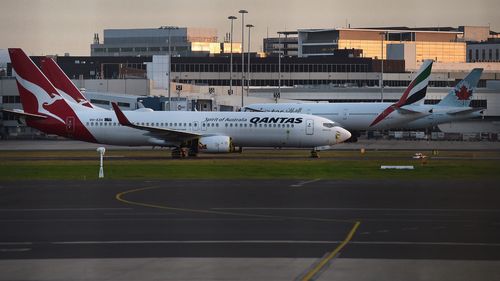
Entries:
{"x":47,"y":27}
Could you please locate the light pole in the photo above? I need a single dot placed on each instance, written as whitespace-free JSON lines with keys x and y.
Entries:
{"x":231,"y":56}
{"x":242,"y":12}
{"x":279,"y":65}
{"x":382,"y":35}
{"x":248,"y":64}
{"x":169,"y":28}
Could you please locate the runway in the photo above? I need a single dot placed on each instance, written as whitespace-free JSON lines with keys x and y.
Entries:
{"x":398,"y":220}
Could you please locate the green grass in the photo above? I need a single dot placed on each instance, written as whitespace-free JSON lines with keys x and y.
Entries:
{"x":250,"y":165}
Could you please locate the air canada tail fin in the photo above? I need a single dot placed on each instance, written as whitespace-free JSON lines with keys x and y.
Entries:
{"x":416,"y":91}
{"x":461,"y":95}
{"x":62,"y":82}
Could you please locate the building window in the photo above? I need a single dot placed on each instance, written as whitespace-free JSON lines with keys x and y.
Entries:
{"x":102,"y":102}
{"x":11,"y":99}
{"x":124,"y":104}
{"x":470,"y":55}
{"x":483,"y":54}
{"x":497,"y":55}
{"x":490,"y":54}
{"x":477,"y":54}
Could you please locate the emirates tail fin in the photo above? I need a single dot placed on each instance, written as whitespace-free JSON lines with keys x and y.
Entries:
{"x":416,"y":91}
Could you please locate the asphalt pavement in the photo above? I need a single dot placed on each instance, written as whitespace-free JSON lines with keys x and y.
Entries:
{"x":256,"y":219}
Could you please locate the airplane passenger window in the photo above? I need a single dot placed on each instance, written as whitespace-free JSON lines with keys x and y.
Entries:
{"x":87,"y":123}
{"x":217,"y":125}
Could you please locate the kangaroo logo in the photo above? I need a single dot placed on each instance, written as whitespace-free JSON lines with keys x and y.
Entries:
{"x":45,"y":100}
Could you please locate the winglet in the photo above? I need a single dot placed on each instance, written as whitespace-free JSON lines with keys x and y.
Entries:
{"x":121,"y":117}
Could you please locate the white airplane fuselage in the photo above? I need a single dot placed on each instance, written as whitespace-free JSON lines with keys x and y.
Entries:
{"x":250,"y":129}
{"x":351,"y":116}
{"x":440,"y":114}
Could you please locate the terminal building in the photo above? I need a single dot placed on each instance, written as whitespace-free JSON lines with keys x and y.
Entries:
{"x":182,"y":41}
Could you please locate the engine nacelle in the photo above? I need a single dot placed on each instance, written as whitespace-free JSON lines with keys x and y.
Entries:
{"x":215,"y":144}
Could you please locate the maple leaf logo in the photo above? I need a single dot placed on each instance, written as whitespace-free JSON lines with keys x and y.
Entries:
{"x":463,"y":93}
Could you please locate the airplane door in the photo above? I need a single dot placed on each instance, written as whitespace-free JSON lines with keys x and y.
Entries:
{"x":344,"y":115}
{"x":196,"y":126}
{"x":309,"y":127}
{"x":70,"y":125}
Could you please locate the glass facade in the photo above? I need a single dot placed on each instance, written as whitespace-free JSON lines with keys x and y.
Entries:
{"x":438,"y":51}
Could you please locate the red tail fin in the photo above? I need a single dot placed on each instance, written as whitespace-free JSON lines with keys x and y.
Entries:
{"x":62,"y":82}
{"x":40,"y":97}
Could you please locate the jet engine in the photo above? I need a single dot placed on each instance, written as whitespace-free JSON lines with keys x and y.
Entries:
{"x":215,"y":144}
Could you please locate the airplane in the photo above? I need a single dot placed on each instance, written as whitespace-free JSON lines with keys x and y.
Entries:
{"x":453,"y":107}
{"x":45,"y":109}
{"x":361,"y":116}
{"x":62,"y":83}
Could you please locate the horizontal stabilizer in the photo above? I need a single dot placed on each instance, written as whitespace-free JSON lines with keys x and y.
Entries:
{"x":25,"y":114}
{"x":164,"y":133}
{"x":466,"y":110}
{"x":406,"y":110}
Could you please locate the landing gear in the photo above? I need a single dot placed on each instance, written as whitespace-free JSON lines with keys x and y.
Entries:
{"x":314,"y":154}
{"x":178,"y":153}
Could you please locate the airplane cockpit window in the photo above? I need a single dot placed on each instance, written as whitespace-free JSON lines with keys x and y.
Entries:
{"x":329,"y":125}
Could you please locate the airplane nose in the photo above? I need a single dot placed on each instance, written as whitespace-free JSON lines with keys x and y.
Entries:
{"x":341,"y":134}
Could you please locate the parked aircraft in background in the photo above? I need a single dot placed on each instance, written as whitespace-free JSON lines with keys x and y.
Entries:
{"x":361,"y":116}
{"x":44,"y":108}
{"x":453,"y":107}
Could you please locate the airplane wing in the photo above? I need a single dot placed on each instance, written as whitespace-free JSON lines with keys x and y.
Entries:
{"x":19,"y":112}
{"x":465,"y":110}
{"x":163,"y":133}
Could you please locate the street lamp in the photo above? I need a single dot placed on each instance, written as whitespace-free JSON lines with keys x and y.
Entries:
{"x":248,"y":64}
{"x":279,"y":65}
{"x":242,"y":12}
{"x":231,"y":56}
{"x":169,"y":28}
{"x":382,"y":35}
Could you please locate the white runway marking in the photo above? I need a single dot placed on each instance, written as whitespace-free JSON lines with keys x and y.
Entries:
{"x":300,"y":184}
{"x":15,"y":250}
{"x":279,"y":242}
{"x":63,"y":209}
{"x":364,"y":209}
